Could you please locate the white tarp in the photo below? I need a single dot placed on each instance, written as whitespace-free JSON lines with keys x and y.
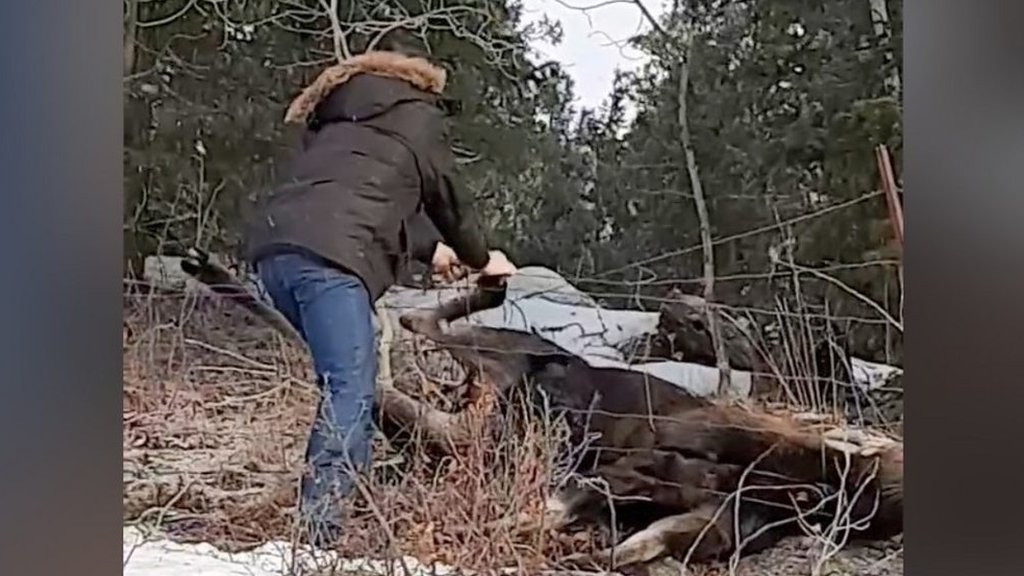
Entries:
{"x":543,"y":302}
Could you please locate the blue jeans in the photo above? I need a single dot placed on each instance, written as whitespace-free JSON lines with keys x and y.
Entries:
{"x":332,"y":311}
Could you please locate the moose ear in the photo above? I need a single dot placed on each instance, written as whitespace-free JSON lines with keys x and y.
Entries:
{"x":451,"y":106}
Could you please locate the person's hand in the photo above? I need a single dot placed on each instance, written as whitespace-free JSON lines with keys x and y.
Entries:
{"x":498,"y":267}
{"x":446,"y":263}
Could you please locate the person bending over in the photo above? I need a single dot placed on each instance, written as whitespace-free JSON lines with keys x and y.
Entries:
{"x":371,"y":186}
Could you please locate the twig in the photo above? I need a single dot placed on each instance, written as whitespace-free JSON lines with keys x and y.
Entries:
{"x":844,"y":287}
{"x":884,"y":559}
{"x":341,"y":51}
{"x":209,"y":347}
{"x":161,"y":511}
{"x":740,"y":488}
{"x":388,"y":532}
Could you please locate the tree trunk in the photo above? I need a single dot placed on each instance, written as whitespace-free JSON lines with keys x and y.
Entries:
{"x":131,"y":26}
{"x":721,"y":358}
{"x":880,"y":20}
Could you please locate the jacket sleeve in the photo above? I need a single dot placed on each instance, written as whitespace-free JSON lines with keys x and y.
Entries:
{"x":423,"y":237}
{"x":446,"y":205}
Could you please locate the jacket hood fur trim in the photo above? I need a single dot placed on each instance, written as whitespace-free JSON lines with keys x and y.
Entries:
{"x":416,"y":71}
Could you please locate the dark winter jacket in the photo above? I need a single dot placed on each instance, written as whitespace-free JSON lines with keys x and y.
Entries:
{"x":373,"y":183}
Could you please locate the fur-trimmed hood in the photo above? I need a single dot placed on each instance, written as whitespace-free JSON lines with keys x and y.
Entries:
{"x":416,"y":71}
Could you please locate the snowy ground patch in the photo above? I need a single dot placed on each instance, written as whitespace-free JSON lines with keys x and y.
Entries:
{"x":154,"y":556}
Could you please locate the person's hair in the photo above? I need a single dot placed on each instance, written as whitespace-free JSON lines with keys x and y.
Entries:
{"x":403,"y":42}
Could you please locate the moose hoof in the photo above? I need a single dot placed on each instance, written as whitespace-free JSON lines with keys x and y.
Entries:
{"x":413,"y":321}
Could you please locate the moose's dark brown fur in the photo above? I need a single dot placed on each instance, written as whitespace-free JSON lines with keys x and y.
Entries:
{"x":682,"y":455}
{"x":685,"y":457}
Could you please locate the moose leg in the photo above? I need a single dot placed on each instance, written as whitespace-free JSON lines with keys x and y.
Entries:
{"x":666,"y":478}
{"x":442,"y":429}
{"x":690,"y":483}
{"x":704,"y":530}
{"x":577,"y":499}
{"x":570,"y":503}
{"x":445,"y":430}
{"x":558,"y":512}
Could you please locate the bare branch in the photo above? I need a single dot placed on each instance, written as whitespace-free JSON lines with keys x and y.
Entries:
{"x":341,"y":51}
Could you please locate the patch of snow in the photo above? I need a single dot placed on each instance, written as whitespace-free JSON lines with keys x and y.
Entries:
{"x":165,"y":272}
{"x":872,"y":375}
{"x":156,"y":556}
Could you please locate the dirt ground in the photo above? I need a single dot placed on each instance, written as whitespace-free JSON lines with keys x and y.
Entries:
{"x":216,"y":411}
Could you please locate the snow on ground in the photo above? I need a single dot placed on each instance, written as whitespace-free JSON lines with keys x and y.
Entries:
{"x":161,"y":557}
{"x":154,"y":556}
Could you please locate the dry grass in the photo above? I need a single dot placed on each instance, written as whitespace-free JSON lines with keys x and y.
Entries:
{"x":216,"y":413}
{"x":215,"y":418}
{"x":217,"y":408}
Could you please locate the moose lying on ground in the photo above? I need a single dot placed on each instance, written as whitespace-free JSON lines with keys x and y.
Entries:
{"x":686,"y":476}
{"x":671,"y":459}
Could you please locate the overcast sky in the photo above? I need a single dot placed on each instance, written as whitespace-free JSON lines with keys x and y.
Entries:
{"x":587,"y":51}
